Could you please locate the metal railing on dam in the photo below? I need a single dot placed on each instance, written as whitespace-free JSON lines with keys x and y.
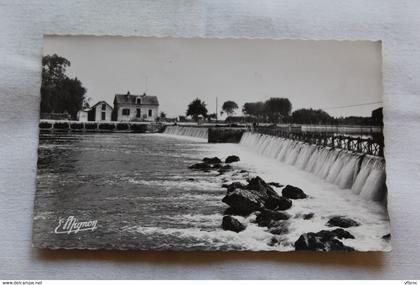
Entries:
{"x":359,"y":144}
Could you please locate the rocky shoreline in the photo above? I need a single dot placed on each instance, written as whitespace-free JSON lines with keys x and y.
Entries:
{"x":259,"y":198}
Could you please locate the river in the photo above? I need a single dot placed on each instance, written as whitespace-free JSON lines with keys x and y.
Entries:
{"x":143,"y":196}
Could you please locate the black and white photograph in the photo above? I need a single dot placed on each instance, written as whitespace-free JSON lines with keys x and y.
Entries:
{"x":211,"y":144}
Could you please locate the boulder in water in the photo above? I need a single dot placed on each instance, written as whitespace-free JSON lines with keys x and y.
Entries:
{"x":224,"y":168}
{"x":200,"y":166}
{"x":308,"y":216}
{"x":212,"y":160}
{"x":232,"y":158}
{"x":243,"y":201}
{"x":322,"y":241}
{"x":231,"y":224}
{"x":259,"y":185}
{"x":278,"y":203}
{"x":280,"y":228}
{"x":232,"y":186}
{"x":293,"y":192}
{"x":337,"y":233}
{"x":266,"y":216}
{"x":342,"y":222}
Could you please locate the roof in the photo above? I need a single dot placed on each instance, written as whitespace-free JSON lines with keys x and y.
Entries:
{"x":131,"y":99}
{"x":101,"y":102}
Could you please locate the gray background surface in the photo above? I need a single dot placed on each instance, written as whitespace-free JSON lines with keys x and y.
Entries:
{"x":22,"y":24}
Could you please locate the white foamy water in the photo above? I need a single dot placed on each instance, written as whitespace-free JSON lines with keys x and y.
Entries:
{"x":195,"y":132}
{"x":364,"y":174}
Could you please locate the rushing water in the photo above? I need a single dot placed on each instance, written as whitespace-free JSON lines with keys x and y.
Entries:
{"x":140,"y":190}
{"x":365,"y":175}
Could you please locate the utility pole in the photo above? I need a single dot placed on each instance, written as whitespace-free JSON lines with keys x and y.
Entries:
{"x":216,"y":111}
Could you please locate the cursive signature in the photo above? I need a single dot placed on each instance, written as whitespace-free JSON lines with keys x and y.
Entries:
{"x":73,"y":225}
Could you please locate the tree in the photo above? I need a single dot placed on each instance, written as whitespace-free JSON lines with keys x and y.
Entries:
{"x":59,"y":93}
{"x":277,"y":108}
{"x":197,"y":108}
{"x":311,"y":116}
{"x":254,"y":109}
{"x":211,"y":116}
{"x":229,"y":107}
{"x":162,"y":115}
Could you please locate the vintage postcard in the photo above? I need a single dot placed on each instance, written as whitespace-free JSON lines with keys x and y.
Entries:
{"x":211,"y":144}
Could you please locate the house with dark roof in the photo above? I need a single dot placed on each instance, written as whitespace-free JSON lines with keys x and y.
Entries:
{"x":101,"y":111}
{"x":131,"y":107}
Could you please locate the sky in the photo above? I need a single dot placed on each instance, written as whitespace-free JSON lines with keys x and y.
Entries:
{"x":331,"y":75}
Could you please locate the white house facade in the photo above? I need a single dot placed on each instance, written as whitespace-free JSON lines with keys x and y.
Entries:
{"x":131,"y":107}
{"x":101,"y":111}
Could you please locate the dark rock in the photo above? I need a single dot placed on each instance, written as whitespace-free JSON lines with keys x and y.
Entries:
{"x":273,"y":241}
{"x":320,"y":242}
{"x":224,"y":168}
{"x":342,"y":222}
{"x":293,"y":192}
{"x":216,"y":166}
{"x":243,"y":171}
{"x":212,"y":160}
{"x":308,"y":216}
{"x":191,"y":179}
{"x":337,"y":233}
{"x":232,"y":186}
{"x":232,"y":211}
{"x":309,"y":241}
{"x":200,"y":166}
{"x":387,"y":237}
{"x":232,"y":158}
{"x":261,"y":187}
{"x":342,"y":234}
{"x":280,"y":229}
{"x":275,"y":184}
{"x":231,"y":224}
{"x":267,"y":216}
{"x":244,"y":201}
{"x":278,"y":203}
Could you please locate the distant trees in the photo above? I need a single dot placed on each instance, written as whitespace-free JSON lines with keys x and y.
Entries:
{"x":229,"y":107}
{"x":254,"y":109}
{"x":311,"y":116}
{"x":197,"y":108}
{"x":277,"y":108}
{"x":273,"y":110}
{"x":59,"y":93}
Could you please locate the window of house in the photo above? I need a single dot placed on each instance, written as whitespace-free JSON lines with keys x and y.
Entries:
{"x":126,"y":112}
{"x":150,"y":113}
{"x":103,"y":116}
{"x":103,"y":107}
{"x":138,"y":113}
{"x":138,"y":101}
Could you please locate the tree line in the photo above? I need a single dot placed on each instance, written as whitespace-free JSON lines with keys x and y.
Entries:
{"x":279,"y":110}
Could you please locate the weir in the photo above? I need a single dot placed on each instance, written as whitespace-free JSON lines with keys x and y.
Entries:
{"x":196,"y":132}
{"x":362,"y":174}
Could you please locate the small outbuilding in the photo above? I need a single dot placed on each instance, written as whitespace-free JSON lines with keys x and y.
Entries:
{"x":101,"y":111}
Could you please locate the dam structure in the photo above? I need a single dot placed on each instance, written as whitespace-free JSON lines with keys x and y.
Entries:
{"x":359,"y":172}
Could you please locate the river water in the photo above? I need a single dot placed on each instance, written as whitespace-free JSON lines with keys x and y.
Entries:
{"x":143,"y":196}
